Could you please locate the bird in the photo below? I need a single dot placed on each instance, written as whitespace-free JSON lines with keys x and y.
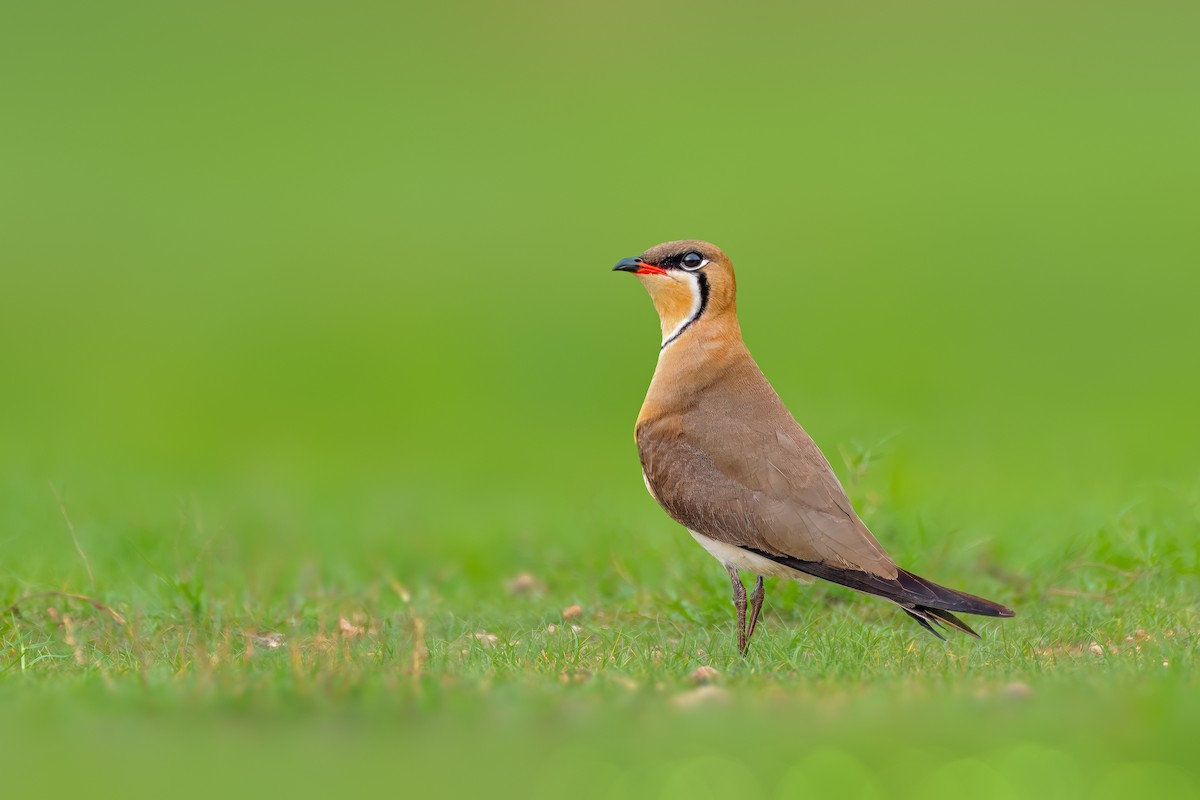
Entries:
{"x":723,"y":456}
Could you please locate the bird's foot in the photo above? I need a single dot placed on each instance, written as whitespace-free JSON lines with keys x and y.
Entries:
{"x":739,"y":602}
{"x":756,"y":601}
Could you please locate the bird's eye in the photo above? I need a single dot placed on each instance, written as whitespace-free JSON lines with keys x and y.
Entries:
{"x":693,"y":261}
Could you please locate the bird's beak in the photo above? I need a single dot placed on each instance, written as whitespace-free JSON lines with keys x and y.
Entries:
{"x":638,"y":267}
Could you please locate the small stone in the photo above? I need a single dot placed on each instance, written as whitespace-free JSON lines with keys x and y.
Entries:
{"x":703,"y":675}
{"x":703,"y":695}
{"x":271,"y":641}
{"x":523,"y":584}
{"x":1096,"y":648}
{"x":551,"y":628}
{"x":349,"y":629}
{"x":487,"y":639}
{"x":571,"y":612}
{"x":1018,"y":691}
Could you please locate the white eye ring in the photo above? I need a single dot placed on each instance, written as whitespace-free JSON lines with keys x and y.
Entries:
{"x":683,"y":263}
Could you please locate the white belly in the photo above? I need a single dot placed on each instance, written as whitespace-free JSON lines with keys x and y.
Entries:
{"x":646,"y":481}
{"x":738,"y":558}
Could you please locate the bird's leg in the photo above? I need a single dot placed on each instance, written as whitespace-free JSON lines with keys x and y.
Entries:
{"x":739,"y":602}
{"x":756,"y":601}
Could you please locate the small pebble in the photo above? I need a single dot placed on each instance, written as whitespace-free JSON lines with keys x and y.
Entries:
{"x":1018,"y":691}
{"x":703,"y":695}
{"x":522,"y":584}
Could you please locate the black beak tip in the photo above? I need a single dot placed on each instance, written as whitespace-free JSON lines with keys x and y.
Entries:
{"x":627,"y":265}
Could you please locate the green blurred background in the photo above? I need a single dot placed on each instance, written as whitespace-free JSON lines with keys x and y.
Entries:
{"x":334,"y":278}
{"x":371,"y":242}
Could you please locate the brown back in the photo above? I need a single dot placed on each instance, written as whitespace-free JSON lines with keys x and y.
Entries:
{"x":725,"y":458}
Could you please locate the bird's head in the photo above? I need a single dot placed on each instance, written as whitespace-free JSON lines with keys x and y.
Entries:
{"x":687,"y":280}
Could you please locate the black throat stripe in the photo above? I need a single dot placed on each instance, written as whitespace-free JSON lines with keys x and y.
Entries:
{"x":703,"y":284}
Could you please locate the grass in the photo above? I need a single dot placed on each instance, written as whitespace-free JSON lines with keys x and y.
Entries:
{"x":352,"y":657}
{"x":651,"y":609}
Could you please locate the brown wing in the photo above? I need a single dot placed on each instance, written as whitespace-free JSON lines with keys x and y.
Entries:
{"x":735,"y":466}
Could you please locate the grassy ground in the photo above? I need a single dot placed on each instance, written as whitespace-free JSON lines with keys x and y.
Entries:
{"x":550,"y":662}
{"x":316,"y":395}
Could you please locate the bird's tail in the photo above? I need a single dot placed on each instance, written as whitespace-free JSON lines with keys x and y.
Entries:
{"x":928,"y":618}
{"x":927,"y":593}
{"x":928,"y":603}
{"x":931,"y":605}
